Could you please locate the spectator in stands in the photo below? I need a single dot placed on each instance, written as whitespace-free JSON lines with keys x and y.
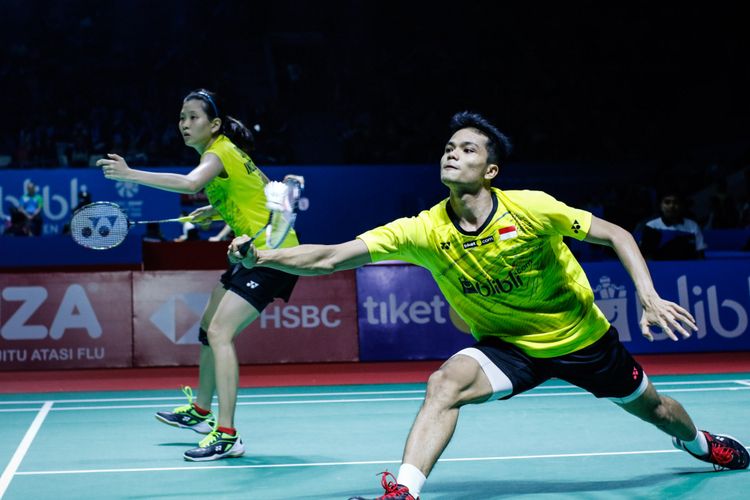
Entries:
{"x":672,"y":236}
{"x":724,"y":213}
{"x":30,"y":205}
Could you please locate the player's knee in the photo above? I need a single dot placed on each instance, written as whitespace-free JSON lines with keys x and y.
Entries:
{"x":218,"y":337}
{"x":443,"y":388}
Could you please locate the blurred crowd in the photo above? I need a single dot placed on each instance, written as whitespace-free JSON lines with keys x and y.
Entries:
{"x":333,"y":86}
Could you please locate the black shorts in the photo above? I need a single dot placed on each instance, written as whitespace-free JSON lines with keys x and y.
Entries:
{"x":259,"y":285}
{"x":605,"y":368}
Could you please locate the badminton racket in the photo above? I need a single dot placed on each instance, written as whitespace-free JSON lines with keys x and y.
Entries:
{"x":282,"y":200}
{"x":103,"y":225}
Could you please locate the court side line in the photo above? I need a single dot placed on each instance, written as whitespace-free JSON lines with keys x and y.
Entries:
{"x":240,"y":396}
{"x":338,"y":464}
{"x":347,"y":393}
{"x":364,"y":400}
{"x":12,"y":467}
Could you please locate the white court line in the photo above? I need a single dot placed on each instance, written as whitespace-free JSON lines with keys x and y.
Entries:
{"x":15,"y":461}
{"x":240,"y":396}
{"x":362,"y":400}
{"x":339,"y":464}
{"x":343,"y":393}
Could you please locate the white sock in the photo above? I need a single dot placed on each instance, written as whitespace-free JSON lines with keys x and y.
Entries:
{"x":412,"y":478}
{"x":698,"y":446}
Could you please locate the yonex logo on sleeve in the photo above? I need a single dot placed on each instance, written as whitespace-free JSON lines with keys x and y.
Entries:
{"x":576,"y":226}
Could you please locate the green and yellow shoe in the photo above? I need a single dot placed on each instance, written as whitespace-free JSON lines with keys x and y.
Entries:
{"x":185,"y":417}
{"x":215,"y":446}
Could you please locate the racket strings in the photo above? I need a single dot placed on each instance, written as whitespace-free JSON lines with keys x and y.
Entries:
{"x":99,"y":226}
{"x":282,"y":219}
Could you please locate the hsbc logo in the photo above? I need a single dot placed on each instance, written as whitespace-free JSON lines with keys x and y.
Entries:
{"x":73,"y":312}
{"x":179,"y":317}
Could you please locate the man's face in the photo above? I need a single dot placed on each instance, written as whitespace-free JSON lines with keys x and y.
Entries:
{"x":464,"y":160}
{"x":671,"y":207}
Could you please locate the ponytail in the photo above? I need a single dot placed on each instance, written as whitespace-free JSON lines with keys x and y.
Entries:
{"x":238,"y":133}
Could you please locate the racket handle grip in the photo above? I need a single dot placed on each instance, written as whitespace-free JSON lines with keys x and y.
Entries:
{"x":245,"y":247}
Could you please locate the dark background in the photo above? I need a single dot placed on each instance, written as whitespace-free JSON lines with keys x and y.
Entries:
{"x":658,"y":90}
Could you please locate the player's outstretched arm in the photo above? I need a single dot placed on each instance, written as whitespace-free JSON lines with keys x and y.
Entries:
{"x":116,"y":168}
{"x":303,"y":260}
{"x":656,"y":311}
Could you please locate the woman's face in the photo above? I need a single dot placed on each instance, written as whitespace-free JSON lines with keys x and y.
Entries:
{"x":196,"y":128}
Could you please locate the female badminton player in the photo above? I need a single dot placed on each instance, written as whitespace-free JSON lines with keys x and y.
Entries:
{"x":234,"y":187}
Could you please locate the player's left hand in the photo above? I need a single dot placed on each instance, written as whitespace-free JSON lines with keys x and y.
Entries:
{"x":114,"y":167}
{"x":668,"y":316}
{"x":203,"y":216}
{"x":233,"y":252}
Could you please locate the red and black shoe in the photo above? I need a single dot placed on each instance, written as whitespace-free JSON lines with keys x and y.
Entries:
{"x":724,"y":452}
{"x":393,"y":490}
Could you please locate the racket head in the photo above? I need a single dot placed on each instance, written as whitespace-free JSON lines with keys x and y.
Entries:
{"x":99,"y":226}
{"x":282,"y":220}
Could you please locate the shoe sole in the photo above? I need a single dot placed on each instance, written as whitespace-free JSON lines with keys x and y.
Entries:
{"x":201,"y":428}
{"x":235,"y":452}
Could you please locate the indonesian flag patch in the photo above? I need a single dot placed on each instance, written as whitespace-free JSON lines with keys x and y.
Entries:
{"x":507,"y":232}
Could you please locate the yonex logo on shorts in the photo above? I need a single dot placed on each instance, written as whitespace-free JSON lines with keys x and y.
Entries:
{"x":252,"y":284}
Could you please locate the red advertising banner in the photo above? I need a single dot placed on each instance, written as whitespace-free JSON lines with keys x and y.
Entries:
{"x":318,"y":324}
{"x":65,"y":320}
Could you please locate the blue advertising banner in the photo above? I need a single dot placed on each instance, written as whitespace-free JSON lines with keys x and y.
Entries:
{"x":60,"y":190}
{"x":403,"y":315}
{"x":716,"y":292}
{"x":344,"y":193}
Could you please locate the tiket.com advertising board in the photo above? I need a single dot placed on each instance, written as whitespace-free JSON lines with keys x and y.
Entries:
{"x":318,"y":324}
{"x":403,"y":315}
{"x":65,"y":320}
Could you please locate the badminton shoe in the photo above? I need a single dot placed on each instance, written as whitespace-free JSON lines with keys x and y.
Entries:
{"x":393,"y":490}
{"x":724,"y":452}
{"x":215,"y":446}
{"x":186,"y":417}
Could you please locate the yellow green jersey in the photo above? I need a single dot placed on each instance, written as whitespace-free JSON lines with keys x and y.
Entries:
{"x":238,"y":196}
{"x":513,"y":278}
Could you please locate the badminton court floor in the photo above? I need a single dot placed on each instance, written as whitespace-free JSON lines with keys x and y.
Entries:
{"x":330,"y":442}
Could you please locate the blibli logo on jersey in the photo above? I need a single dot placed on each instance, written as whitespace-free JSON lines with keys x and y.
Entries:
{"x":492,"y":286}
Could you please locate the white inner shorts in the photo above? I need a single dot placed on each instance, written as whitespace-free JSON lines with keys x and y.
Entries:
{"x":502,"y":386}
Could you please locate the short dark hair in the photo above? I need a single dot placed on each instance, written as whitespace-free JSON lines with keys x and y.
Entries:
{"x":498,"y":144}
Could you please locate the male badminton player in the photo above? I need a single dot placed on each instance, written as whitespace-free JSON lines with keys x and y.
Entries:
{"x":234,"y":186}
{"x":500,"y":260}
